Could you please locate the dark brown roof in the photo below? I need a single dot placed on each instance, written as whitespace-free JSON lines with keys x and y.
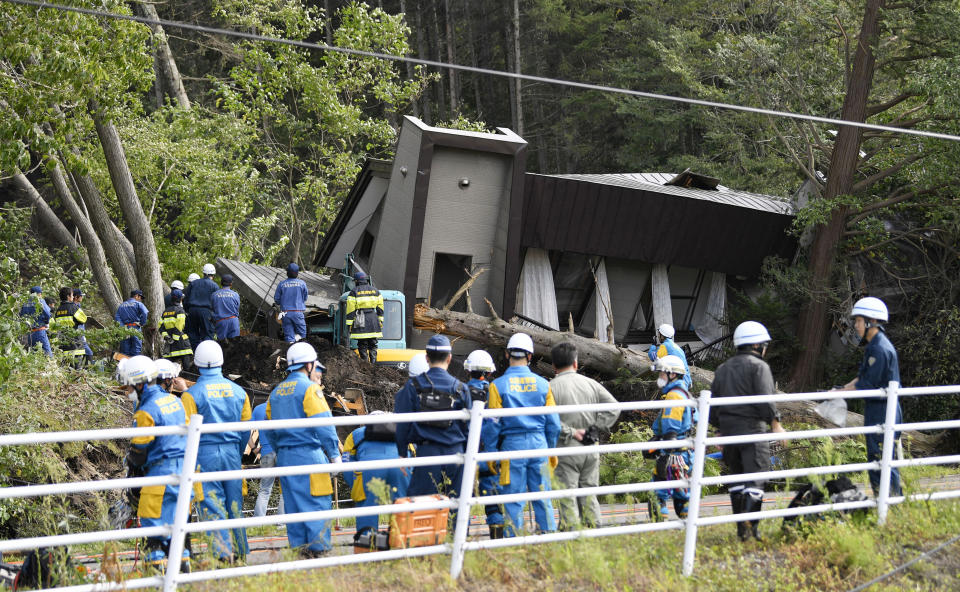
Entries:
{"x":630,"y":216}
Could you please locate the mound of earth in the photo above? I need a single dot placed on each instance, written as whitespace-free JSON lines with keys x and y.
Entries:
{"x":259,"y":364}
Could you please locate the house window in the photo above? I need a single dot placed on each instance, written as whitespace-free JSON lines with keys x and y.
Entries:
{"x":364,"y":247}
{"x":449,"y":273}
{"x":573,"y":284}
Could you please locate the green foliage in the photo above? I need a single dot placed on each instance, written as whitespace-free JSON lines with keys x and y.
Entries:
{"x":929,"y":351}
{"x":618,"y":468}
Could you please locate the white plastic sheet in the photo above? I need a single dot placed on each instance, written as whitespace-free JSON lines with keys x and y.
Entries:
{"x":536,"y":296}
{"x":604,"y":306}
{"x":660,"y":290}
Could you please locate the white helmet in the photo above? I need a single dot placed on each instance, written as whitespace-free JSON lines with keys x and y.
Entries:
{"x":667,"y":330}
{"x":520,"y":341}
{"x":300,"y":353}
{"x":209,"y":269}
{"x":870,"y":308}
{"x":670,"y":364}
{"x":750,"y":332}
{"x":176,"y":285}
{"x":209,"y":354}
{"x":192,"y":277}
{"x":167,"y":369}
{"x":479,"y":361}
{"x":418,"y":365}
{"x":138,"y":370}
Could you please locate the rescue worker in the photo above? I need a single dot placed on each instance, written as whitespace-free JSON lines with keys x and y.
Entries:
{"x":365,"y":316}
{"x":168,"y":377}
{"x":520,"y":387}
{"x":69,"y":317}
{"x":132,"y":314}
{"x":154,"y":456}
{"x":174,"y":285}
{"x":434,"y":390}
{"x":291,"y":297}
{"x":674,"y":423}
{"x":297,"y":397}
{"x":879,"y":367}
{"x":78,"y":300}
{"x":226,"y":309}
{"x":480,"y":366}
{"x":377,"y":441}
{"x":196,"y":302}
{"x":665,"y":346}
{"x":578,"y":429}
{"x":176,"y":344}
{"x":36,"y":310}
{"x":746,"y":374}
{"x":219,"y":400}
{"x":188,"y":326}
{"x":268,"y":460}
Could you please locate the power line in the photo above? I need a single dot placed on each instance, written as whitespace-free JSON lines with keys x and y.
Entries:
{"x":484,"y":71}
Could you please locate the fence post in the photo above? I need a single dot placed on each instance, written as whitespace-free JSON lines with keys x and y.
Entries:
{"x":696,"y":473}
{"x":184,"y":497}
{"x":464,"y":502}
{"x":886,"y":455}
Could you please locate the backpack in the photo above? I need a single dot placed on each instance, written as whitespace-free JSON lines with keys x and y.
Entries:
{"x":433,"y":399}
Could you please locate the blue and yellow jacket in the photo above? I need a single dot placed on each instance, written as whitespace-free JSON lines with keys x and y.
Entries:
{"x":670,"y":348}
{"x":159,"y":408}
{"x":131,"y":313}
{"x":357,"y":448}
{"x":225,"y":303}
{"x":291,"y":295}
{"x":295,"y":398}
{"x":365,"y":312}
{"x":520,"y":387}
{"x":676,"y":420}
{"x":408,"y":401}
{"x":218,"y":400}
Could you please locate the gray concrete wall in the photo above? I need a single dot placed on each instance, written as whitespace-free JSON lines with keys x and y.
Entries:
{"x":466,"y":220}
{"x":389,"y":258}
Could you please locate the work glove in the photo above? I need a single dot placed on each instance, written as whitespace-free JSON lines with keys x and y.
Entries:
{"x":281,"y":314}
{"x":337,"y":460}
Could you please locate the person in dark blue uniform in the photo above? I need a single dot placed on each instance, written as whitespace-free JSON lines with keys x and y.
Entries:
{"x":434,"y":390}
{"x":132,"y":314}
{"x":481,"y":367}
{"x":879,"y":368}
{"x":36,"y":309}
{"x":376,"y":441}
{"x":226,"y":309}
{"x":291,"y":297}
{"x":196,"y":302}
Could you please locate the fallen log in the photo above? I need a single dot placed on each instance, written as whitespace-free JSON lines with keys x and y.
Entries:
{"x":608,"y":359}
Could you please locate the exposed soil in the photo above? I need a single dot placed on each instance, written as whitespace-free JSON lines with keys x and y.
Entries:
{"x":259,"y":362}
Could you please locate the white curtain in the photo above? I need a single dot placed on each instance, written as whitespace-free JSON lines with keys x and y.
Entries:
{"x":660,"y":290}
{"x":709,"y":325}
{"x":604,"y":306}
{"x":536,"y":297}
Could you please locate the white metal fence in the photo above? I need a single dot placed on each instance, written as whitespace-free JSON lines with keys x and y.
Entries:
{"x":469,"y":460}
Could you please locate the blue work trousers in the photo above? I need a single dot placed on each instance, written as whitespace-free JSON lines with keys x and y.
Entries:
{"x":35,"y":337}
{"x":158,"y":503}
{"x":395,"y":479}
{"x":297,"y":498}
{"x":131,"y":346}
{"x":527,"y":474}
{"x":227,"y":328}
{"x":442,"y":479}
{"x":293,"y":325}
{"x":223,"y":499}
{"x":875,"y":413}
{"x":489,"y":484}
{"x":199,"y":326}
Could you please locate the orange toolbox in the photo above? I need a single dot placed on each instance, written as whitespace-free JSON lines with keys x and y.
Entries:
{"x":420,"y":528}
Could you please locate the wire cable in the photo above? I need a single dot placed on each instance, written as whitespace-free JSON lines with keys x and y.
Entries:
{"x":485,"y":71}
{"x":897,"y":570}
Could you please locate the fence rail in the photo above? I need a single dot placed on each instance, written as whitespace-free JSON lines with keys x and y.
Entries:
{"x":469,"y":459}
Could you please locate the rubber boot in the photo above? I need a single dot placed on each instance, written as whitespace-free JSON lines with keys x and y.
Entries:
{"x":752,"y":504}
{"x":736,"y":501}
{"x":373,"y":355}
{"x":680,"y":507}
{"x":496,"y":531}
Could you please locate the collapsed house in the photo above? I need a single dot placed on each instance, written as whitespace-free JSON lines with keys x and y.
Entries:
{"x":608,"y":255}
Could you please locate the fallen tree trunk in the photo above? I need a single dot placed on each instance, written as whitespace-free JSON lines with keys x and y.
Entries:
{"x":608,"y":359}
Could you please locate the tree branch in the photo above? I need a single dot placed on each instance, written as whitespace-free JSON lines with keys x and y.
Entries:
{"x":862,"y":185}
{"x":881,"y":107}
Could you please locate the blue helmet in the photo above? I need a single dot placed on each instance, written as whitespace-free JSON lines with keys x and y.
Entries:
{"x":36,"y":290}
{"x":360,"y":276}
